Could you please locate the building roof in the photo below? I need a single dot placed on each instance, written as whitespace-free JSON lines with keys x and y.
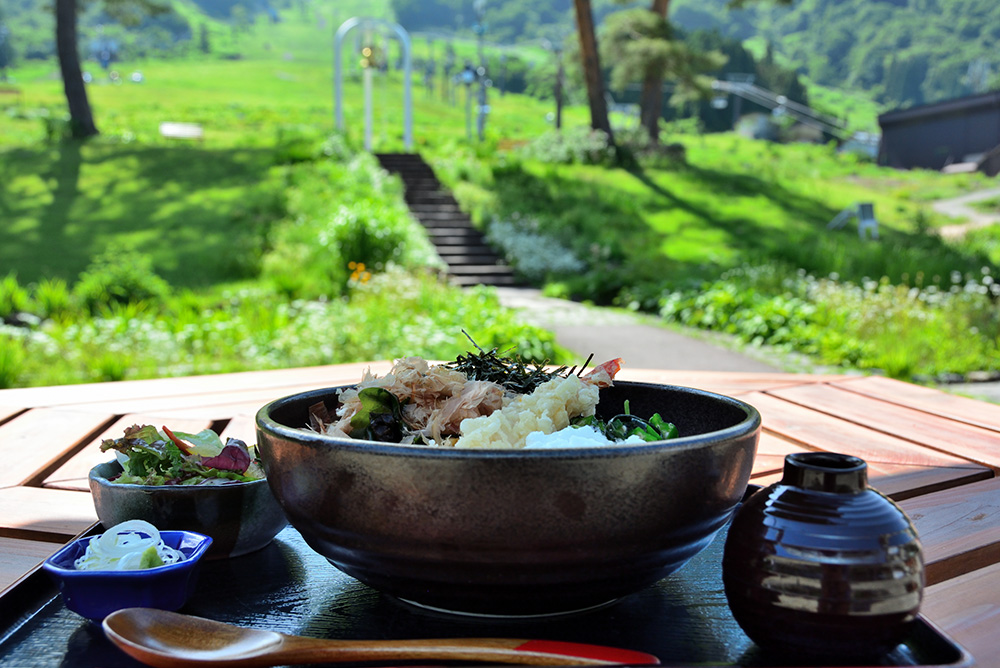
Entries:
{"x":959,"y":105}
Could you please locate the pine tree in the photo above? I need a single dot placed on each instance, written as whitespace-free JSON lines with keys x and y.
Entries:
{"x":203,"y":43}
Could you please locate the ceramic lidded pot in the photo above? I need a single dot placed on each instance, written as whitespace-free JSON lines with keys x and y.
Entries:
{"x":821,"y":563}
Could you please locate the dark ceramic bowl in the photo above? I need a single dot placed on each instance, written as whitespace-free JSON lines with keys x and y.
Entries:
{"x":96,"y":594}
{"x":240,"y":517}
{"x":514,"y":532}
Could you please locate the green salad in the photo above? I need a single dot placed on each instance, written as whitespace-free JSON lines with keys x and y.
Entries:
{"x":151,"y":456}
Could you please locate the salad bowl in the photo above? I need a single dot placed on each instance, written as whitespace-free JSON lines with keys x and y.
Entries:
{"x":514,"y":532}
{"x":240,"y":517}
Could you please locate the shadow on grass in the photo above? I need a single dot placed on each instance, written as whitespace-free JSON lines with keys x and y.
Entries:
{"x":792,"y":230}
{"x":612,"y":212}
{"x":753,"y":234}
{"x":186,"y":207}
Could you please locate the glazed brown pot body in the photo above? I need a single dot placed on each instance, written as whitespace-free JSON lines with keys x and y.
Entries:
{"x":820,"y":563}
{"x":514,"y":531}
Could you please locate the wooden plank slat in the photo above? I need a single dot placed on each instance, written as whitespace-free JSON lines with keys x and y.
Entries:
{"x":964,"y":409}
{"x":722,"y":382}
{"x":766,"y":469}
{"x":38,"y":439}
{"x":959,"y":528}
{"x":242,"y":426}
{"x":102,"y":395}
{"x":904,"y":481}
{"x":819,"y":431}
{"x":8,"y":411}
{"x":211,"y":406}
{"x":943,"y":434}
{"x":772,"y":444}
{"x":55,"y":515}
{"x":250,"y":398}
{"x":771,"y":452}
{"x":20,"y":556}
{"x":967,"y":608}
{"x":73,"y":474}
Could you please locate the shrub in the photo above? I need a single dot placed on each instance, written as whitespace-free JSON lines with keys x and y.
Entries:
{"x":394,"y":314}
{"x":52,"y":298}
{"x":660,"y":155}
{"x":119,"y":275}
{"x":304,"y":143}
{"x":312,"y":248}
{"x":577,"y":145}
{"x":366,"y":231}
{"x":11,"y":360}
{"x":13,"y":297}
{"x":902,"y":331}
{"x":533,"y":254}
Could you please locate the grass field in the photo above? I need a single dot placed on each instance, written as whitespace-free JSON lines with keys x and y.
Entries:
{"x":237,"y":213}
{"x":182,"y":201}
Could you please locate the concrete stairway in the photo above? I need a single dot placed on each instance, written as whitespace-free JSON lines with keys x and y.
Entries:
{"x":470,"y":259}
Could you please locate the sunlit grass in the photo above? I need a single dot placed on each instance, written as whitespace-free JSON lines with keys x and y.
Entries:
{"x":241,"y":212}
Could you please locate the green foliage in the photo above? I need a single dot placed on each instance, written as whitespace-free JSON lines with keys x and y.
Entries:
{"x":298,"y":143}
{"x":904,"y":332}
{"x":533,"y":254}
{"x":889,"y":49}
{"x":120,"y":275}
{"x":671,"y":238}
{"x":269,"y":197}
{"x":640,"y":43}
{"x":12,"y":358}
{"x":13,"y":298}
{"x":52,"y":298}
{"x":505,"y":22}
{"x":393,"y":313}
{"x":312,"y":249}
{"x":271,"y":209}
{"x":572,"y":146}
{"x":637,"y":43}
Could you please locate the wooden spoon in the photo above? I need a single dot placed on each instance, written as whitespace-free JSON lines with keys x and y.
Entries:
{"x":171,"y":640}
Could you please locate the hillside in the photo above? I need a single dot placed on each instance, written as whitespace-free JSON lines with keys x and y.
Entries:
{"x":885,"y":51}
{"x":230,"y":29}
{"x":903,"y":52}
{"x":899,"y":52}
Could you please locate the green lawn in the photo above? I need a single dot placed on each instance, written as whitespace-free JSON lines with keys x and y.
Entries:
{"x":250,"y":207}
{"x":184,"y":202}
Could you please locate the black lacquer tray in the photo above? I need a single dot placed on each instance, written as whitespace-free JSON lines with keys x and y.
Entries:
{"x":684,"y":619}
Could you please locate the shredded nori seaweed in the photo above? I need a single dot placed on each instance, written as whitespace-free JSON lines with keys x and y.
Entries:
{"x":509,"y":370}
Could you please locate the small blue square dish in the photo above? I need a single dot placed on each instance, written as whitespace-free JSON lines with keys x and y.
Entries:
{"x":95,"y":594}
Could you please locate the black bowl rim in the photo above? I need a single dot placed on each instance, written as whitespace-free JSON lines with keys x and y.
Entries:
{"x":749,"y":425}
{"x":169,"y":489}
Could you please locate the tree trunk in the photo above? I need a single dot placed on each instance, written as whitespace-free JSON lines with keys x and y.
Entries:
{"x":592,"y":68}
{"x":651,"y":100}
{"x":559,"y":92}
{"x":80,"y":117}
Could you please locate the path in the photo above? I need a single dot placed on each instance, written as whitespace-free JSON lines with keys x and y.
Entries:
{"x":959,"y":207}
{"x":643,"y":342}
{"x":639,"y":340}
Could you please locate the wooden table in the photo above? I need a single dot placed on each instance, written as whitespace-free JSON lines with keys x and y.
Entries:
{"x":936,"y":454}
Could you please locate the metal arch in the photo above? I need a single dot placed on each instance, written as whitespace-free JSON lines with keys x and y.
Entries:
{"x":404,"y":39}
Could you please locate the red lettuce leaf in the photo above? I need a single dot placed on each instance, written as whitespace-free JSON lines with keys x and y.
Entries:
{"x":234,"y":457}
